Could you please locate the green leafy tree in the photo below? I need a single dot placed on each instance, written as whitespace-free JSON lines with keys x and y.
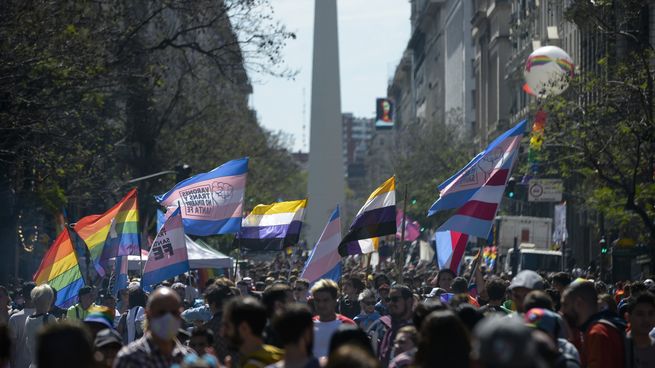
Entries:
{"x":601,"y":133}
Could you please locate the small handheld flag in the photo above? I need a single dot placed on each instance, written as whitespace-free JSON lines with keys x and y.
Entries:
{"x":412,"y":228}
{"x":375,"y":219}
{"x":211,"y":202}
{"x":325,"y":262}
{"x":168,"y":255}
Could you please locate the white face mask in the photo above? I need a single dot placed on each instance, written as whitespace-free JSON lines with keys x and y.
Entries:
{"x":165,"y":327}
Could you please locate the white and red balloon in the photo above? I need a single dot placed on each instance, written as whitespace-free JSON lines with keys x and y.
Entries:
{"x":547,"y":71}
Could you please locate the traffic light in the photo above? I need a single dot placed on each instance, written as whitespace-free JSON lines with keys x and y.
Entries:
{"x":413,"y":201}
{"x":510,"y":189}
{"x":603,"y":245}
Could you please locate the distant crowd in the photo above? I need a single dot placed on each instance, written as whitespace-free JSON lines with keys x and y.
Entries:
{"x":366,"y":319}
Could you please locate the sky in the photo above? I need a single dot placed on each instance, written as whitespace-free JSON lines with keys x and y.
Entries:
{"x":372,"y":37}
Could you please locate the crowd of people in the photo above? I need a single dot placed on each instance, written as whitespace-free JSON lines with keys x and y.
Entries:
{"x":277,"y":319}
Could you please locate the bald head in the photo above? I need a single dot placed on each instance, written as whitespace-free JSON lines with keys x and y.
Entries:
{"x":163,"y":300}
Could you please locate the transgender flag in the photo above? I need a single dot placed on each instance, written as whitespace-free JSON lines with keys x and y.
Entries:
{"x":450,"y":249}
{"x":325,"y":262}
{"x":477,"y":189}
{"x":211,"y":202}
{"x":168,"y":254}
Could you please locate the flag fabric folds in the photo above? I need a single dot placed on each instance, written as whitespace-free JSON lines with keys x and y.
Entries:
{"x":114,"y":233}
{"x":120,"y":270}
{"x":325,"y":262}
{"x":60,"y":269}
{"x":168,"y":255}
{"x":412,"y":228}
{"x":477,"y":189}
{"x":375,"y":219}
{"x":450,"y":249}
{"x":273,"y":226}
{"x":211,"y":202}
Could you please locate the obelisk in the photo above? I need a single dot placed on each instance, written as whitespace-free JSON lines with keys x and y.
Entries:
{"x":326,"y":168}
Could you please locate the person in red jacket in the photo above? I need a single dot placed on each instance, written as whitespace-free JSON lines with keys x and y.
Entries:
{"x":603,"y":332}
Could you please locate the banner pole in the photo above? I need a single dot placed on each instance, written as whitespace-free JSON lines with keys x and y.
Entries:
{"x":399,"y":256}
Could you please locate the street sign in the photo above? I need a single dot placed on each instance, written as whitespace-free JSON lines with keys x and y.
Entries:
{"x":545,"y":190}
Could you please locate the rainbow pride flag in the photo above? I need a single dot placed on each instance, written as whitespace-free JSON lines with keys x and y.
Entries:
{"x":60,"y":269}
{"x":114,"y":233}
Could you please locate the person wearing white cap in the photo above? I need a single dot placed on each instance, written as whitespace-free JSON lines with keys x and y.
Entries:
{"x":523,"y":283}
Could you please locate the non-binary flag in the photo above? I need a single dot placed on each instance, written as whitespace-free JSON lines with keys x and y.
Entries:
{"x":273,"y":226}
{"x":211,"y":202}
{"x":412,"y":228}
{"x":375,"y":219}
{"x":477,"y":189}
{"x":60,"y":269}
{"x":325,"y":262}
{"x":114,"y":233}
{"x":450,"y":249}
{"x":168,"y":255}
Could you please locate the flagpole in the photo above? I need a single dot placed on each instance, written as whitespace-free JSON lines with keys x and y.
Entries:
{"x":236,"y":263}
{"x":402,"y":233}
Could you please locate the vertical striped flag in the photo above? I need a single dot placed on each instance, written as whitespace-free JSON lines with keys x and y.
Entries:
{"x":168,"y":254}
{"x":450,"y":249}
{"x":325,"y":262}
{"x":375,"y":219}
{"x":477,"y":189}
{"x":211,"y":202}
{"x":120,"y":269}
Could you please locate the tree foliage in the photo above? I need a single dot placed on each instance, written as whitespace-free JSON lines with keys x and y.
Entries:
{"x":601,"y":132}
{"x":94,"y":93}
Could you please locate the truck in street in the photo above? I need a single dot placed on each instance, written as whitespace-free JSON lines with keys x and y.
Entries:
{"x":534,"y":240}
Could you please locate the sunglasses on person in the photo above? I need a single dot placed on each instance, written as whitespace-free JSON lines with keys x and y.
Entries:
{"x":299,"y":289}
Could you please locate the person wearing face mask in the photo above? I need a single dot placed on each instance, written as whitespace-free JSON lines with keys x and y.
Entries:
{"x":159,"y":347}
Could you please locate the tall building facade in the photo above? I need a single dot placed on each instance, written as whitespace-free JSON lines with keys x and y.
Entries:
{"x":433,"y":84}
{"x":491,"y":22}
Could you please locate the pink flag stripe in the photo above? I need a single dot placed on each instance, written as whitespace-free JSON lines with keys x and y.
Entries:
{"x":165,"y":262}
{"x":238,"y":183}
{"x":477,"y":209}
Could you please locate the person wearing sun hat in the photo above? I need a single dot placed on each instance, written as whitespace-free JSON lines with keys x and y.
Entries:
{"x":523,"y":283}
{"x":99,"y":318}
{"x":553,"y":325}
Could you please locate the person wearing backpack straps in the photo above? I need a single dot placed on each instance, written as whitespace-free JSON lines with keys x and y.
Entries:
{"x":604,"y":333}
{"x":641,"y":316}
{"x":42,"y":297}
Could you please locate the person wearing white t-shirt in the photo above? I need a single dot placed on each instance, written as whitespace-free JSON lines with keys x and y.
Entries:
{"x":42,"y":297}
{"x":327,"y":321}
{"x":20,"y":357}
